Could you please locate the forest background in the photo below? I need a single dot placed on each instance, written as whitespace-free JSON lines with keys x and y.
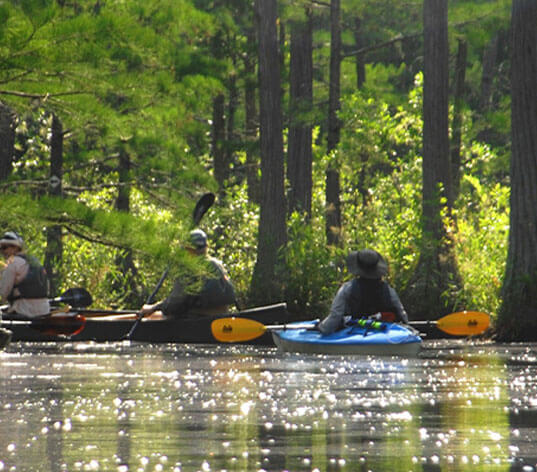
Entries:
{"x":308,"y":119}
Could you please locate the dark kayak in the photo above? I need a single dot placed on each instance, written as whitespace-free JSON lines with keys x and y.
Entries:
{"x":106,"y":327}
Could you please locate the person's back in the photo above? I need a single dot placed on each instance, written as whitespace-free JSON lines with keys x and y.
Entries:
{"x":23,"y":282}
{"x":216,"y":291}
{"x":364,"y":295}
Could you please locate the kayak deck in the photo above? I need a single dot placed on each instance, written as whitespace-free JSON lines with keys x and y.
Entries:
{"x":392,"y":340}
{"x":112,"y":328}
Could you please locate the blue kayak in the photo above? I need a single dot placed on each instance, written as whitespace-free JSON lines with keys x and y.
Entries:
{"x":370,"y":338}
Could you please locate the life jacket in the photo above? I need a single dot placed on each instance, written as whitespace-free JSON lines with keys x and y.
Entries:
{"x":369,"y":296}
{"x":35,"y":284}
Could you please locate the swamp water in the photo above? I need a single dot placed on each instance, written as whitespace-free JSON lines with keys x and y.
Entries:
{"x":460,"y":406}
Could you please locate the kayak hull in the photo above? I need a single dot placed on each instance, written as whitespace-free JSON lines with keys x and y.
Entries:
{"x":110,"y":328}
{"x":393,"y":340}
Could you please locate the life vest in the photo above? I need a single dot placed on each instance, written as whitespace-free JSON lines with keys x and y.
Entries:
{"x":369,"y":296}
{"x":35,"y":284}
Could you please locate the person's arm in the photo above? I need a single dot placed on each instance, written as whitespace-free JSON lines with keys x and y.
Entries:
{"x":399,"y":308}
{"x":7,"y":281}
{"x":334,"y":320}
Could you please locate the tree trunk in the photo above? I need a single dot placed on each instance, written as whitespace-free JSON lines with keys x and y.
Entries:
{"x":126,"y":284}
{"x":266,"y":285}
{"x":490,"y":61}
{"x":251,"y":124}
{"x":333,"y":206}
{"x":517,"y":320}
{"x":360,"y":58}
{"x":54,"y":249}
{"x":218,"y":140}
{"x":299,"y":157}
{"x":460,"y":74}
{"x":7,"y":140}
{"x":432,"y":291}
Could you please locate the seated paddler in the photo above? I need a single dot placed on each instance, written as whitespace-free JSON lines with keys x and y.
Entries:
{"x":366,"y":294}
{"x":23,"y":280}
{"x":216,"y":292}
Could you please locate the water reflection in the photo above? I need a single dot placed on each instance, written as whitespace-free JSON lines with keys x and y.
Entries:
{"x":136,"y":407}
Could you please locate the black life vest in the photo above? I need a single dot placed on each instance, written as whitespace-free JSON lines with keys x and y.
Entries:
{"x":35,"y":284}
{"x":369,"y":296}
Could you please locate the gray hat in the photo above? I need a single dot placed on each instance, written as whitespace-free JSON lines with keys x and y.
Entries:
{"x":198,"y":238}
{"x":367,"y":263}
{"x":12,"y":239}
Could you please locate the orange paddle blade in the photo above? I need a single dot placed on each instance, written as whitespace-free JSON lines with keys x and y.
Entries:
{"x":233,"y":330}
{"x":464,"y":323}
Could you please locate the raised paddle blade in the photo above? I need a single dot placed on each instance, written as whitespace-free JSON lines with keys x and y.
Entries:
{"x":464,"y":323}
{"x":234,"y":330}
{"x":203,"y":204}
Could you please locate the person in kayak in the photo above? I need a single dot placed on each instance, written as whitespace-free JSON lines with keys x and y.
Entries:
{"x":364,"y":295}
{"x":216,"y":294}
{"x":23,"y":282}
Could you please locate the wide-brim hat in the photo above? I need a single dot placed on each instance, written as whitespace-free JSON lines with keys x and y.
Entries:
{"x":11,"y":238}
{"x":367,"y":263}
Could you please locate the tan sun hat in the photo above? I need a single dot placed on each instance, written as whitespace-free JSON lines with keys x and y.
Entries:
{"x":11,"y":238}
{"x":367,"y":263}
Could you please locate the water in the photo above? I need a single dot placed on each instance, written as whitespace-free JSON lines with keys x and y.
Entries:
{"x":138,"y":407}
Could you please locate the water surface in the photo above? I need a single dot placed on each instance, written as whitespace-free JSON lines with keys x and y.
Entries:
{"x":140,"y":407}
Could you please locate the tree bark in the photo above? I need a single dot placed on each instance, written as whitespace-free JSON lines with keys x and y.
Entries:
{"x":360,"y":58}
{"x":54,"y":249}
{"x":126,"y":284}
{"x":333,"y":205}
{"x":251,"y":123}
{"x":218,"y":140}
{"x":517,"y":319}
{"x":432,"y":291}
{"x":456,"y":126}
{"x":266,"y":286}
{"x":7,"y":140}
{"x":299,"y":157}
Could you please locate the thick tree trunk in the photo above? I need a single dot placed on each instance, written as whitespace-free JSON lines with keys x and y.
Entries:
{"x":266,"y":286}
{"x":433,"y":289}
{"x":7,"y":140}
{"x":333,"y":206}
{"x":299,"y":157}
{"x":54,"y":249}
{"x":517,"y":320}
{"x":460,"y":74}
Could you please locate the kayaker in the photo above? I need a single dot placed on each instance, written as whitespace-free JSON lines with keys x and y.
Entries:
{"x":23,"y":282}
{"x":364,"y":295}
{"x":217,"y":292}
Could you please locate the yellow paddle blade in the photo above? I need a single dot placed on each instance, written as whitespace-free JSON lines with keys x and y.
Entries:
{"x":234,"y":330}
{"x":464,"y":323}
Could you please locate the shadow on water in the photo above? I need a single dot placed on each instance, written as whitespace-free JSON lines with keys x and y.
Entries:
{"x":136,"y":407}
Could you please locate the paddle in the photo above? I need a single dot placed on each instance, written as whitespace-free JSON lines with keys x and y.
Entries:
{"x":78,"y":297}
{"x":204,"y":203}
{"x":53,"y":325}
{"x":464,"y":323}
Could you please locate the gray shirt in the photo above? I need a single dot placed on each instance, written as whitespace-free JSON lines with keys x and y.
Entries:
{"x":339,"y":308}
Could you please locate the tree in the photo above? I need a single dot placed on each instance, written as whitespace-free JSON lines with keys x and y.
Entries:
{"x":517,"y":319}
{"x":436,"y":280}
{"x":333,"y":204}
{"x":266,"y":286}
{"x":299,"y":157}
